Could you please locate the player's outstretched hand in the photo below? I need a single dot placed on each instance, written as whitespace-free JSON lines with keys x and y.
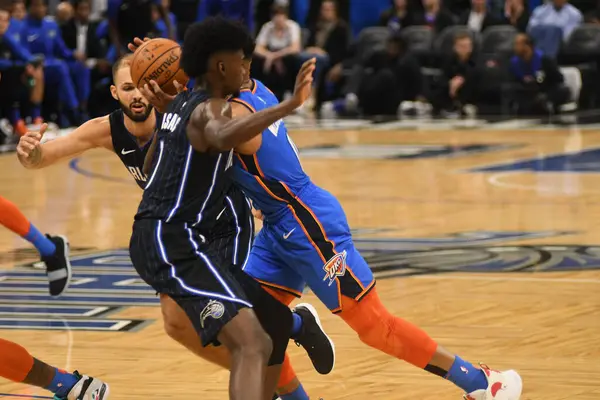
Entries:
{"x":28,"y":148}
{"x":304,"y":80}
{"x":137,"y":42}
{"x":157,"y":97}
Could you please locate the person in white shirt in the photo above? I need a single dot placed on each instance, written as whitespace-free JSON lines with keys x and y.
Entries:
{"x":277,"y":45}
{"x":557,"y":13}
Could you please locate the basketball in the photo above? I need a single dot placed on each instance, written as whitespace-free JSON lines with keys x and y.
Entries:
{"x":158,"y":60}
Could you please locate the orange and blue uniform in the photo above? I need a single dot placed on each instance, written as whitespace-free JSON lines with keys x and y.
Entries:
{"x":305,"y":237}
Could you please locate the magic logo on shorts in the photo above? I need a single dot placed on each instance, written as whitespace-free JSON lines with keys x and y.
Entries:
{"x":335,"y":267}
{"x":213,"y":309}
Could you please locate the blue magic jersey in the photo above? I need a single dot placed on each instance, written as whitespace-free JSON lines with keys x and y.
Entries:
{"x":273,"y":176}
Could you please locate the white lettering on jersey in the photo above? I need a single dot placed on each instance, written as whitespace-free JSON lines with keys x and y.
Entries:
{"x":137,"y":174}
{"x":229,"y":161}
{"x":274,"y":128}
{"x":170,"y":122}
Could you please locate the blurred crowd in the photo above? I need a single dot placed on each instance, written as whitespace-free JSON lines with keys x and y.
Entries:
{"x":374,"y":57}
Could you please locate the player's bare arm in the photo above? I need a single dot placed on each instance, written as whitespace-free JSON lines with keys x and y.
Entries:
{"x":220,"y":132}
{"x":34,"y":155}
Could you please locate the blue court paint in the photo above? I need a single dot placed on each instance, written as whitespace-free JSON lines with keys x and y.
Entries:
{"x":74,"y":165}
{"x":585,"y":161}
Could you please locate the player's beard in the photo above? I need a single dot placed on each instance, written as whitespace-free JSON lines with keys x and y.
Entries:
{"x":135,"y":116}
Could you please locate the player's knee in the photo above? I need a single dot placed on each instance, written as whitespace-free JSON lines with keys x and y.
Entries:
{"x":253,"y":343}
{"x":174,"y":327}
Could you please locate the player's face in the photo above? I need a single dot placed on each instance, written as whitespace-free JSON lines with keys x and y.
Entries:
{"x":4,"y":21}
{"x":38,"y":9}
{"x":233,"y":71}
{"x":18,"y":11}
{"x":133,"y":104}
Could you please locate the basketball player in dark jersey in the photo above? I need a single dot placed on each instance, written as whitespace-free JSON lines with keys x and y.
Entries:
{"x":171,"y":247}
{"x":127,"y":132}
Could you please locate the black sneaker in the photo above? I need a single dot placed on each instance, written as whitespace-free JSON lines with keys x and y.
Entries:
{"x":315,"y":341}
{"x":58,"y":266}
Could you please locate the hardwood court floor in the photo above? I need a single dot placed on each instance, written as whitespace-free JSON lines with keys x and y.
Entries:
{"x":546,"y":324}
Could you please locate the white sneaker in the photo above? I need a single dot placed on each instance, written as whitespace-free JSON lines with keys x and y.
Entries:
{"x":88,"y":388}
{"x":505,"y":385}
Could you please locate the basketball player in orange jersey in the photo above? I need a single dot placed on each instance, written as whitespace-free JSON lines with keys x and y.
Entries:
{"x":127,"y":132}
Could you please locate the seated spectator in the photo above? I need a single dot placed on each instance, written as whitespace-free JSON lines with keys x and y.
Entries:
{"x":277,"y":45}
{"x":239,"y":10}
{"x":457,"y":91}
{"x":63,"y":68}
{"x":539,"y":82}
{"x":81,"y":35}
{"x":399,"y":16}
{"x":516,"y":14}
{"x":391,"y":77}
{"x":160,"y":24}
{"x":436,"y":17}
{"x":551,"y":23}
{"x":328,"y":42}
{"x":23,"y":78}
{"x":478,"y":18}
{"x":133,"y":18}
{"x":18,"y":10}
{"x":64,"y":13}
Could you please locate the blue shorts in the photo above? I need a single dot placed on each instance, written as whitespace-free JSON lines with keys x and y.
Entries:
{"x":311,"y":244}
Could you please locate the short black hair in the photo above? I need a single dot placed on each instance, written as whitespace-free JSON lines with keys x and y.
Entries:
{"x":28,"y":3}
{"x":212,"y":35}
{"x":124,"y":61}
{"x":249,"y":48}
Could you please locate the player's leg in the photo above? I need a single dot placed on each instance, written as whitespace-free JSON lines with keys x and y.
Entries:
{"x":17,"y":365}
{"x":54,"y":250}
{"x":210,"y":297}
{"x":325,"y":256}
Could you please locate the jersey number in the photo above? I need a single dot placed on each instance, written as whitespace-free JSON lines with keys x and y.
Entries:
{"x":137,"y":174}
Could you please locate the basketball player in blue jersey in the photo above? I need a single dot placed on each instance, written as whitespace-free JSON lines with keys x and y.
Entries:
{"x":171,"y":245}
{"x":306,"y":239}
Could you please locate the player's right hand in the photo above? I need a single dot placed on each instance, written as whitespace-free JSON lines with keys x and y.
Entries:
{"x":157,"y":97}
{"x":137,"y":42}
{"x":30,"y":142}
{"x":304,"y":80}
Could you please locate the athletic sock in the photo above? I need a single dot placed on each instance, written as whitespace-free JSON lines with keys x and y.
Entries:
{"x":298,"y":394}
{"x":36,"y":111}
{"x":62,"y":383}
{"x":41,"y":242}
{"x":296,"y":325}
{"x":466,"y":376}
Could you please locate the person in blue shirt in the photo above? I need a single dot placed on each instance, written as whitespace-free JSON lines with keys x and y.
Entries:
{"x":23,"y":75}
{"x":240,"y":10}
{"x":161,"y":25}
{"x":63,"y":68}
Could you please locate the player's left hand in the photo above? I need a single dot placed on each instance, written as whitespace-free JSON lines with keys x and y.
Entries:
{"x":155,"y":95}
{"x":137,"y":42}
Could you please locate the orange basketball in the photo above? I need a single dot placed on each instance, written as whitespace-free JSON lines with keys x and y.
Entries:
{"x":158,"y":60}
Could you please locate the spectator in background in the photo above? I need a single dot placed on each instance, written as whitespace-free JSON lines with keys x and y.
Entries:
{"x":458,"y":90}
{"x":80,"y":35}
{"x":539,"y":82}
{"x":23,"y":78}
{"x":133,"y":18}
{"x":328,"y":42}
{"x":64,"y":12}
{"x":436,"y":17}
{"x":478,"y":18}
{"x":398,"y":16}
{"x":161,"y":26}
{"x":516,"y":14}
{"x":551,"y":23}
{"x":61,"y":65}
{"x":240,"y":10}
{"x":391,"y":77}
{"x":18,"y":10}
{"x":277,"y":45}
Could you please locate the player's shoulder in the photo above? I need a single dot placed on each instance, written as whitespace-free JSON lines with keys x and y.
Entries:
{"x":50,"y":21}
